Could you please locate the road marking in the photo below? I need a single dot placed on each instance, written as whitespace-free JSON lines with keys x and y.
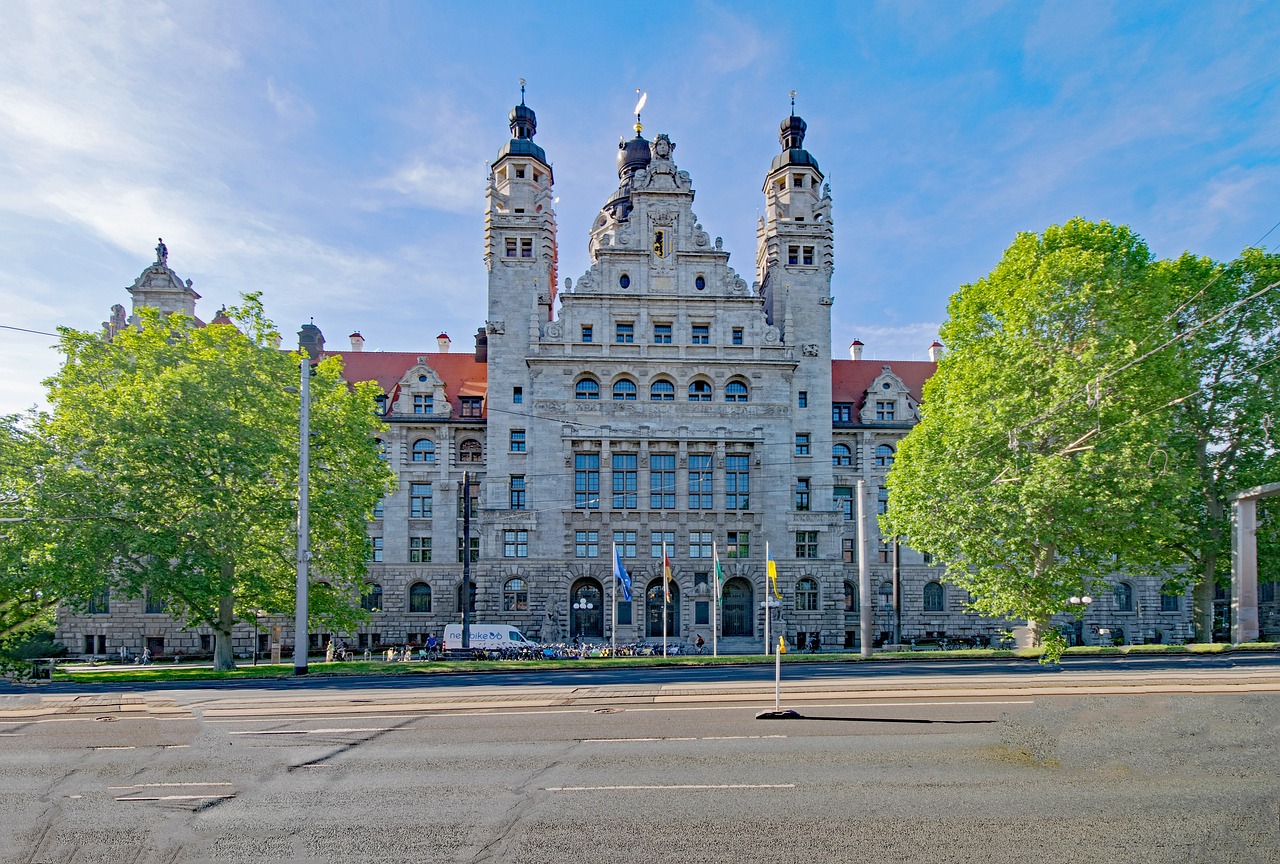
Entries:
{"x":314,"y":731}
{"x":174,"y":797}
{"x":114,"y":748}
{"x":168,"y":785}
{"x":674,"y":786}
{"x":707,"y":738}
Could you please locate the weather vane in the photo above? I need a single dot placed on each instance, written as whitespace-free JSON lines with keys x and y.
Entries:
{"x":522,"y":91}
{"x":793,"y":102}
{"x":642,"y":97}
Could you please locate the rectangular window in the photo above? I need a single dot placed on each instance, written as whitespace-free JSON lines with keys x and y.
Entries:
{"x":657,"y":538}
{"x":848,"y":551}
{"x":844,"y":500}
{"x":737,"y":483}
{"x":797,"y":181}
{"x":661,"y":334}
{"x":806,"y":544}
{"x":519,"y":172}
{"x":517,"y":395}
{"x":511,"y":247}
{"x":624,"y":332}
{"x":806,"y":257}
{"x":626,"y":543}
{"x":515,"y":544}
{"x":375,"y":549}
{"x":379,"y":509}
{"x":475,"y":550}
{"x":475,"y":503}
{"x":586,"y":544}
{"x":702,"y":612}
{"x":419,"y":500}
{"x":927,"y":558}
{"x":736,"y":337}
{"x":422,"y":404}
{"x":517,"y":492}
{"x":662,"y":481}
{"x":884,"y":552}
{"x":738,"y":544}
{"x":700,"y":544}
{"x":701,"y":334}
{"x":793,"y":255}
{"x":885,"y":410}
{"x":419,"y":550}
{"x":802,"y":443}
{"x":586,"y":480}
{"x":626,"y":484}
{"x":841,"y":412}
{"x":472,"y":406}
{"x":700,"y":481}
{"x":882,"y":500}
{"x":517,"y":440}
{"x":624,"y":612}
{"x":802,"y":399}
{"x":802,"y":493}
{"x":526,"y":247}
{"x":587,"y":333}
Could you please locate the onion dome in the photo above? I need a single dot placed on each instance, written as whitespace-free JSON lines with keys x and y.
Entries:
{"x":524,"y":125}
{"x":791,"y":136}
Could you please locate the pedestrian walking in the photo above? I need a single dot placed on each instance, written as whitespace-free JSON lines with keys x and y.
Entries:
{"x":146,"y":656}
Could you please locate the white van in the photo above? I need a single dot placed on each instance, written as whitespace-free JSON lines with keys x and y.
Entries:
{"x":485,"y":636}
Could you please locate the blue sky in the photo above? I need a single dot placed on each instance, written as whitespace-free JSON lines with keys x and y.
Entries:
{"x":333,"y":155}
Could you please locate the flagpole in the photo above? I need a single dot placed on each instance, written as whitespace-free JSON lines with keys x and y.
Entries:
{"x":613,"y":632}
{"x":666,"y":589}
{"x":768,"y":608}
{"x":715,"y":601}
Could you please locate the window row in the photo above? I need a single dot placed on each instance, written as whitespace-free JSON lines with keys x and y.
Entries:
{"x":666,"y":486}
{"x":662,"y":390}
{"x":624,"y":333}
{"x":515,"y":597}
{"x":423,"y":450}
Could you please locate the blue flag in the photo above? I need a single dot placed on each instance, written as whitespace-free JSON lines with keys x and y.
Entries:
{"x":620,"y":573}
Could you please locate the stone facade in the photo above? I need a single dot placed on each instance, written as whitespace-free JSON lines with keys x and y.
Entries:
{"x":663,"y":403}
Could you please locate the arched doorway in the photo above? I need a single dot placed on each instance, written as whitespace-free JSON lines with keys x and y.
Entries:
{"x":586,"y":606}
{"x":739,"y":617}
{"x":653,"y":611}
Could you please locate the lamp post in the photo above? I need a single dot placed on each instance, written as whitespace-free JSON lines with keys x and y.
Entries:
{"x":886,"y":595}
{"x":300,"y":629}
{"x":580,"y":606}
{"x":1080,"y":607}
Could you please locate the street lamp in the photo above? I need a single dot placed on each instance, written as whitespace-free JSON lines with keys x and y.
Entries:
{"x":886,"y":593}
{"x":1080,"y":608}
{"x":580,"y":606}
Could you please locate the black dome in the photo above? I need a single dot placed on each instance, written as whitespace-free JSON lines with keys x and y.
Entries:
{"x":524,"y":123}
{"x":633,"y":155}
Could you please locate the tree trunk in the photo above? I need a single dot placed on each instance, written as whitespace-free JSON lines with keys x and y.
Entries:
{"x":1202,"y":596}
{"x":224,"y":659}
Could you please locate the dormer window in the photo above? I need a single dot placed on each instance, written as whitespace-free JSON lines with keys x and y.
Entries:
{"x":885,"y":410}
{"x":422,"y":404}
{"x":471,"y":406}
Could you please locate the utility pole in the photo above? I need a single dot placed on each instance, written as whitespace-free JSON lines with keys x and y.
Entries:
{"x":300,"y":628}
{"x":466,"y":560}
{"x":864,"y":574}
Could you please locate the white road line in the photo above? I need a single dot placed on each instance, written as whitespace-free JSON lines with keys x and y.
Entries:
{"x":313,"y":731}
{"x":174,"y":797}
{"x":114,"y":748}
{"x":168,"y":785}
{"x":674,"y":786}
{"x":705,"y":738}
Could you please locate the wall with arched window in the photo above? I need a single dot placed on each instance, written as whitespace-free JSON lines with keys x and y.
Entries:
{"x":424,"y":450}
{"x":700,"y":391}
{"x":935,"y":597}
{"x":1124,"y":597}
{"x":470,"y":451}
{"x":662,"y":390}
{"x":515,"y":596}
{"x":736,"y":391}
{"x":807,"y":595}
{"x":852,"y":605}
{"x":419,"y":597}
{"x":624,"y":390}
{"x":586,"y":388}
{"x":371,"y":599}
{"x":841,"y":456}
{"x":884,"y":456}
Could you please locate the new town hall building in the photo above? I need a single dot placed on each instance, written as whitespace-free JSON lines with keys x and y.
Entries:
{"x":665,"y":401}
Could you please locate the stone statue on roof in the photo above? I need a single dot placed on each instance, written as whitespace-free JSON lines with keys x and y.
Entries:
{"x":162,"y":252}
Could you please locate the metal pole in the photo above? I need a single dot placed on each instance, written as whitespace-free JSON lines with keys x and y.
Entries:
{"x":777,"y":678}
{"x":613,"y":632}
{"x":864,"y":574}
{"x":300,"y":628}
{"x":466,"y":560}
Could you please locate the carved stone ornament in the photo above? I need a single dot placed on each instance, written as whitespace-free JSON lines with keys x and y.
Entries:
{"x":544,"y":297}
{"x":810,"y":350}
{"x":554,"y":330}
{"x":495,"y":327}
{"x":771,"y":334}
{"x":826,"y":301}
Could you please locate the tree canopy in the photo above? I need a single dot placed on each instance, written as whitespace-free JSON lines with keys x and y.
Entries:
{"x":169,"y":467}
{"x":1043,"y":452}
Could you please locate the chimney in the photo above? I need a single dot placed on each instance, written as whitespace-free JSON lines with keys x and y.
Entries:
{"x":855,"y":350}
{"x":311,"y":340}
{"x":442,"y":341}
{"x":357,"y":341}
{"x":482,"y":345}
{"x":935,"y":351}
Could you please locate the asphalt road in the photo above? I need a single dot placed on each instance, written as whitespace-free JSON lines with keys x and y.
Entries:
{"x":1159,"y":763}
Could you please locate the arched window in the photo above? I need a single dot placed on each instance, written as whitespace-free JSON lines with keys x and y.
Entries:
{"x":515,"y":596}
{"x":470,"y":451}
{"x":424,"y":450}
{"x":841,"y":455}
{"x":934,"y":597}
{"x":884,"y":456}
{"x":700,"y":391}
{"x":735,"y":391}
{"x":100,"y":602}
{"x":1124,"y":597}
{"x":587,"y":388}
{"x":807,"y":595}
{"x":371,"y":600}
{"x":419,"y":597}
{"x":154,"y":604}
{"x":851,"y":603}
{"x":653,"y":611}
{"x":662,"y":390}
{"x":624,"y":390}
{"x":739,"y":610}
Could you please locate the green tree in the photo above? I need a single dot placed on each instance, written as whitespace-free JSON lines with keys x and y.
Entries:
{"x":25,"y":603}
{"x":171,"y":466}
{"x":1041,"y":453}
{"x":1226,"y":330}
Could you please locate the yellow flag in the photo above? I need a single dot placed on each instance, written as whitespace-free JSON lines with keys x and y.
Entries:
{"x":771,"y":569}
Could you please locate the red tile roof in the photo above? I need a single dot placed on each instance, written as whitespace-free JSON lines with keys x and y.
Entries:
{"x":851,"y":378}
{"x":461,"y":374}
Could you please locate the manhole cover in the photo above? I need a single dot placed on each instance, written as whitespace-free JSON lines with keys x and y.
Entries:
{"x":105,"y":719}
{"x":605,"y":711}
